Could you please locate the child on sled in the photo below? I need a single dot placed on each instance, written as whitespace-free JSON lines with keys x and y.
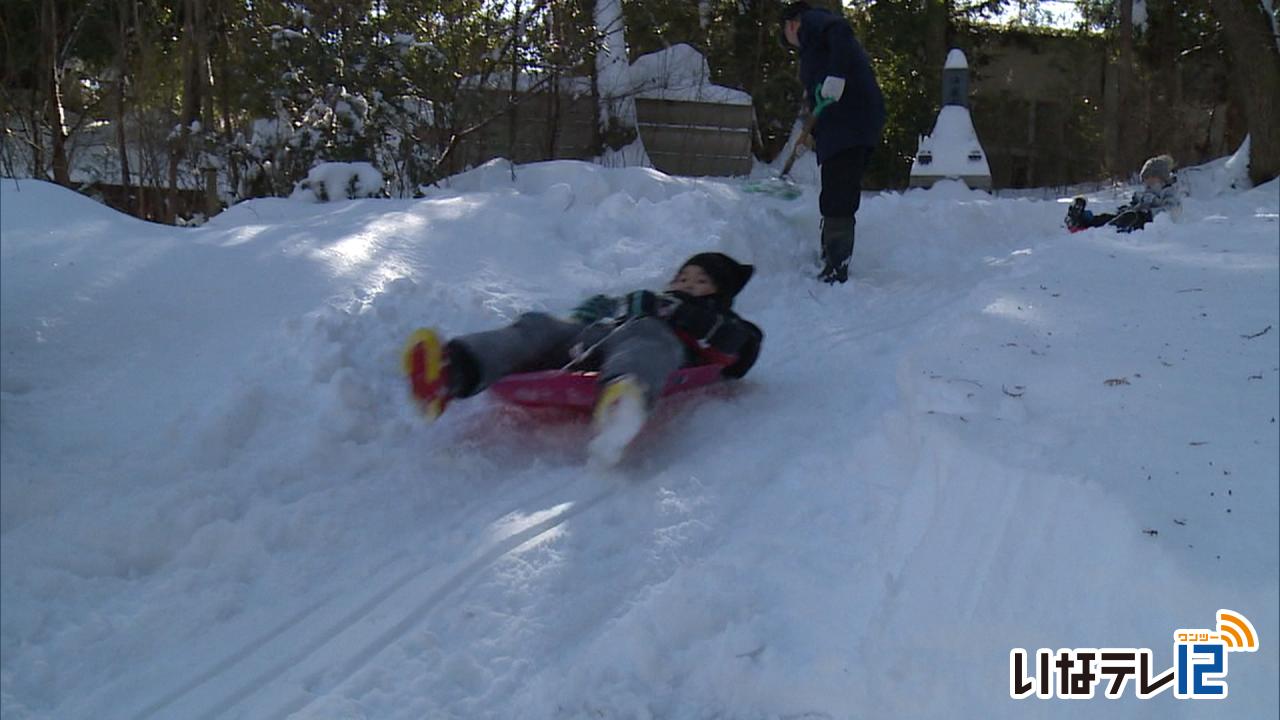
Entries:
{"x":635,"y":342}
{"x":1157,"y":195}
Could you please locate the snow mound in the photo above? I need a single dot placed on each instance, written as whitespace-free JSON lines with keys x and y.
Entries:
{"x":997,"y":435}
{"x":1218,"y":177}
{"x":340,"y":181}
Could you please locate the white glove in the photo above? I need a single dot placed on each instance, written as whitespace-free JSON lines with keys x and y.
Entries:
{"x":833,"y":87}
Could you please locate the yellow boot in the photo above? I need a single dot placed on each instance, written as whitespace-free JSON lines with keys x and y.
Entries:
{"x":620,"y":413}
{"x":426,"y":365}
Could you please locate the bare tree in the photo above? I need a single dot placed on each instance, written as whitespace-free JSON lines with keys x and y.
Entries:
{"x":195,"y":90}
{"x":50,"y":82}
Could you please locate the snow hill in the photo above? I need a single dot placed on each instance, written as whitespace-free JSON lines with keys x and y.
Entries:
{"x":218,"y":502}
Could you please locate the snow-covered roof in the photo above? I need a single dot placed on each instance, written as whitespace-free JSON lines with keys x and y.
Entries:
{"x":680,"y":72}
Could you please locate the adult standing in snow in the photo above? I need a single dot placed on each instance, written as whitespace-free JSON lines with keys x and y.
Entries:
{"x":834,"y":66}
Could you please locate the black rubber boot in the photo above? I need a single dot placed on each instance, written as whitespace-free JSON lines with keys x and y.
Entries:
{"x":837,"y":248}
{"x":1075,"y":214}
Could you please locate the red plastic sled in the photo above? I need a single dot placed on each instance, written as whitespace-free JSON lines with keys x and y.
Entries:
{"x":577,"y":390}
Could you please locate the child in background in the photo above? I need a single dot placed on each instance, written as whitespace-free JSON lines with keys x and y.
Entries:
{"x":635,"y":342}
{"x":1157,"y":195}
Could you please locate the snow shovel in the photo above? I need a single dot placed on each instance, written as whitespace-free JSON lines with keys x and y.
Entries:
{"x":782,"y":186}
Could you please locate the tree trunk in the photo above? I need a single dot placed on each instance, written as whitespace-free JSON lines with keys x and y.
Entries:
{"x":514,"y":91}
{"x":1116,"y":136}
{"x":757,"y":59}
{"x":35,"y":126}
{"x":222,"y":89}
{"x":122,"y":70}
{"x":177,"y":139}
{"x":204,"y":79}
{"x":1257,"y":70}
{"x":51,"y":77}
{"x":593,"y":70}
{"x":194,"y":67}
{"x":558,"y":35}
{"x":936,"y":39}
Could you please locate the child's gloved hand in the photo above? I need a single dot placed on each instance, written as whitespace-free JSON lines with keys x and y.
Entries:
{"x":646,"y":302}
{"x":595,"y":308}
{"x":671,"y":300}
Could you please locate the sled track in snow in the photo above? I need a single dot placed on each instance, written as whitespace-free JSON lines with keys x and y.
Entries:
{"x":315,"y":676}
{"x":289,"y":652}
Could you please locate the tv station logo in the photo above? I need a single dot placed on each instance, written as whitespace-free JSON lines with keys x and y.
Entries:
{"x":1199,"y":671}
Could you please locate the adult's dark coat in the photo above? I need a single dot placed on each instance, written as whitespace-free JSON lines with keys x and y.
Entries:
{"x":828,"y":47}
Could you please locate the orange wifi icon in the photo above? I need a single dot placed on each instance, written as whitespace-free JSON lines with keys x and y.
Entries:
{"x":1236,"y":631}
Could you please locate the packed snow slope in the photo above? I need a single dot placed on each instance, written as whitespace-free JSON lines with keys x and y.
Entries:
{"x":219,"y":503}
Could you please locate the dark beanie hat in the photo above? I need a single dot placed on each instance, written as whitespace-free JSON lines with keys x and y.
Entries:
{"x":729,"y":275}
{"x":792,"y":10}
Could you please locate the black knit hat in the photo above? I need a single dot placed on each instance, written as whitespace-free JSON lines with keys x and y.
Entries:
{"x":792,"y":10}
{"x":729,"y":275}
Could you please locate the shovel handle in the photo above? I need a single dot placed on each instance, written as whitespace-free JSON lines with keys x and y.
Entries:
{"x":807,"y":130}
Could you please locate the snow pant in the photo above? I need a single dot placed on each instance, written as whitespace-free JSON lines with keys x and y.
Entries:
{"x":1125,"y":221}
{"x":838,"y":202}
{"x":646,"y":348}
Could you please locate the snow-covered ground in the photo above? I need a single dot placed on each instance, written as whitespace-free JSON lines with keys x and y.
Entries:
{"x":218,"y":502}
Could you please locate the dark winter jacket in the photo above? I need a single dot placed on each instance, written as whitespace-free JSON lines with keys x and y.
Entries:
{"x":1165,"y":199}
{"x":710,"y":330}
{"x":828,"y":47}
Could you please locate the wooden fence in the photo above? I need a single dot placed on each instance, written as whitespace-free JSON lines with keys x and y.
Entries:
{"x":148,"y":202}
{"x":680,"y":137}
{"x":544,"y":126}
{"x":696,"y":138}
